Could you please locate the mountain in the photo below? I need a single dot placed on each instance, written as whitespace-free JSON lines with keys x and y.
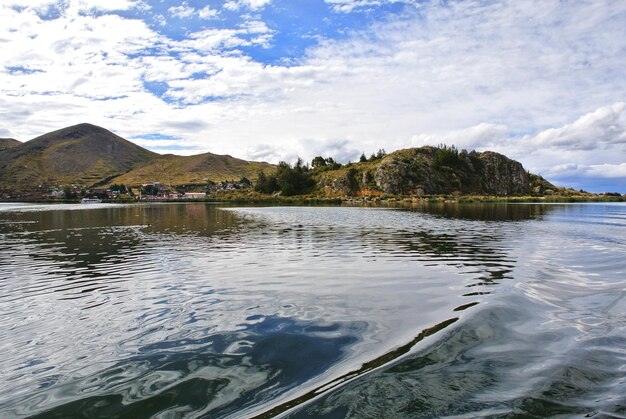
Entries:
{"x":434,"y":170}
{"x":8,"y":143}
{"x":89,"y":155}
{"x":82,"y":154}
{"x":178,"y":170}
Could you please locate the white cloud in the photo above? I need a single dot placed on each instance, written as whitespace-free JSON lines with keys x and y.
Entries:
{"x":231,"y":5}
{"x":208,"y":13}
{"x":604,"y":127}
{"x":249,"y":4}
{"x":346,"y":6}
{"x":479,"y":136}
{"x":109,"y":5}
{"x":43,"y":7}
{"x":255,"y":4}
{"x":182,"y":12}
{"x":607,"y":171}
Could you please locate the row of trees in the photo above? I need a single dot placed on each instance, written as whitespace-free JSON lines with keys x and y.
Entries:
{"x":296,"y":180}
{"x":374,"y":156}
{"x":288,"y":180}
{"x":329,"y":163}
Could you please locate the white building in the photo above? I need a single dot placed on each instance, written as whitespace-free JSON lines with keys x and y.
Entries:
{"x":195,"y":195}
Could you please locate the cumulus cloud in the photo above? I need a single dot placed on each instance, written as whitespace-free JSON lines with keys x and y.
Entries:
{"x":607,"y":171}
{"x":340,"y":150}
{"x":596,"y":130}
{"x":483,"y":135}
{"x":265,"y":152}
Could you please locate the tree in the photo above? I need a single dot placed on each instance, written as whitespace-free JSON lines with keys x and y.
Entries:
{"x":266,"y":184}
{"x":332,"y":163}
{"x":294,"y":180}
{"x":318,"y":161}
{"x":121,"y":188}
{"x":446,"y":156}
{"x":245,"y":182}
{"x":150,"y":190}
{"x":69,"y":193}
{"x":363,"y":158}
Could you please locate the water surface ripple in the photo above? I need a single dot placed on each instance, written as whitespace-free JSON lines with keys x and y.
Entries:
{"x":194,"y":310}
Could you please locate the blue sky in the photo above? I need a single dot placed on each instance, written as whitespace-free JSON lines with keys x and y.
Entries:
{"x":541,"y":81}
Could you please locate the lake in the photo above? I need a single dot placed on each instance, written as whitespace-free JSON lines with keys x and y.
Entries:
{"x":202,"y":310}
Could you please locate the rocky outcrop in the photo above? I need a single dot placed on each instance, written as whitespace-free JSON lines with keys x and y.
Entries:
{"x":430,"y":171}
{"x":499,"y":175}
{"x":340,"y":182}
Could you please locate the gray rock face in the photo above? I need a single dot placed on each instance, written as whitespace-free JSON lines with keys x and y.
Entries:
{"x":405,"y":173}
{"x":500,"y":175}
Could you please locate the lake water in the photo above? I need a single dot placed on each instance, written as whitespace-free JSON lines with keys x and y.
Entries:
{"x":194,"y":310}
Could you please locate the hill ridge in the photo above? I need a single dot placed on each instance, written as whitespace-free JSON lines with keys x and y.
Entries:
{"x":88,"y":155}
{"x":6,"y":143}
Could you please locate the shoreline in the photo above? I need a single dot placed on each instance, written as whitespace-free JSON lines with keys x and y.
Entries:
{"x":317,"y":200}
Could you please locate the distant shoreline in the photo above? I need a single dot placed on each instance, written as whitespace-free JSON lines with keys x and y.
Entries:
{"x":317,"y":200}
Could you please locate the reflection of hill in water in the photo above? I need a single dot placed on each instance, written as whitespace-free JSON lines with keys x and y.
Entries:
{"x":472,"y":237}
{"x":486,"y":211}
{"x":93,"y":252}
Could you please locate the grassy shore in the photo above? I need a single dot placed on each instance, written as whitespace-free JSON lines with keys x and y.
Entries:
{"x":254,"y":197}
{"x":250,"y":198}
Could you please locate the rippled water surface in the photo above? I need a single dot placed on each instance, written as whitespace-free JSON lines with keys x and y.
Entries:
{"x":194,"y":310}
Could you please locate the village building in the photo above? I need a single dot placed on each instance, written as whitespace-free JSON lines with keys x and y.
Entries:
{"x":194,"y":195}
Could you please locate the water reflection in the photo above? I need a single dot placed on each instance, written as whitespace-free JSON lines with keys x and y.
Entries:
{"x":485,"y":211}
{"x":550,"y":345}
{"x":221,"y":373}
{"x":199,"y":310}
{"x":491,"y":366}
{"x":78,"y":254}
